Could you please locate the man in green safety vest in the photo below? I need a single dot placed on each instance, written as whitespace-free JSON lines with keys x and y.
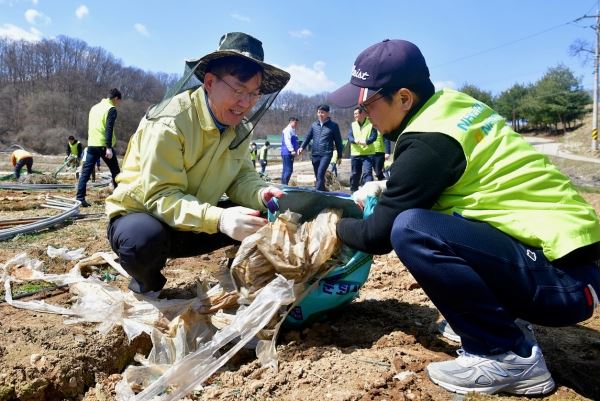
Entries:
{"x":382,"y":149}
{"x":74,"y":150}
{"x":253,"y":153}
{"x":493,"y":233}
{"x":263,"y":155}
{"x":101,"y":141}
{"x":361,"y":137}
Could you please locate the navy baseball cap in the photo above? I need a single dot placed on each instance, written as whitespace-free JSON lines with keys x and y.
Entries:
{"x":390,"y":64}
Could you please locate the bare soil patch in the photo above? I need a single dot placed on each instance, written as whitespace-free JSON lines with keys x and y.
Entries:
{"x":356,"y":354}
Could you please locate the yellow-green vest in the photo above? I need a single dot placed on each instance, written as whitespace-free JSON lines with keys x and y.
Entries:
{"x":73,"y":148}
{"x":361,"y":133}
{"x":507,"y":183}
{"x":379,"y":145}
{"x":97,"y":124}
{"x":263,"y":153}
{"x":253,"y":154}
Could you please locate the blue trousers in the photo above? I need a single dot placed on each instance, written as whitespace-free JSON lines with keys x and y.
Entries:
{"x":320,"y":164}
{"x":144,"y":243}
{"x":25,"y":161}
{"x":288,"y":168}
{"x":378,"y":162}
{"x":263,"y":166}
{"x":362,"y":171}
{"x":333,"y":168}
{"x":481,"y":279}
{"x":93,"y":156}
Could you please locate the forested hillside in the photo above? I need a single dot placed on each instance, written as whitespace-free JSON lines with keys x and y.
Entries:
{"x":48,"y":87}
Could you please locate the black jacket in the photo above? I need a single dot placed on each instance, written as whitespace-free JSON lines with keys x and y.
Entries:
{"x":424,"y":165}
{"x":323,"y":138}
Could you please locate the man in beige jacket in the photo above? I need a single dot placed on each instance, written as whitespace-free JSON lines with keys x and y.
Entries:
{"x":186,"y":153}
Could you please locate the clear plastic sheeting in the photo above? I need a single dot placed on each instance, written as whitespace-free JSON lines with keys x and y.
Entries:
{"x":296,"y":251}
{"x":24,"y":268}
{"x":187,"y":334}
{"x":64,"y":253}
{"x":190,"y":372}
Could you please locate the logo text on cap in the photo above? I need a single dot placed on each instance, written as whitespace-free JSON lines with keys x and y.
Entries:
{"x":362,"y":75}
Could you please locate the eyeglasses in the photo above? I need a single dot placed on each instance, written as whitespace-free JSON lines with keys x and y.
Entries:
{"x":240,"y":94}
{"x":370,"y":100}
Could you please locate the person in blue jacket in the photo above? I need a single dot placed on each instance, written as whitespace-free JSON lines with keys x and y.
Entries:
{"x":324,"y":134}
{"x":289,"y":149}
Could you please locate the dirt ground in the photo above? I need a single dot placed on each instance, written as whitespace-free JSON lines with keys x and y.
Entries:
{"x":374,"y":349}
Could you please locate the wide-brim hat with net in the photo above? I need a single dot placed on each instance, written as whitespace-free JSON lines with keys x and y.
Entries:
{"x":240,"y":44}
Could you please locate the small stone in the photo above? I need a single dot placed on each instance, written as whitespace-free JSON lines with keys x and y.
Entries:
{"x":255,"y":386}
{"x":34,"y":358}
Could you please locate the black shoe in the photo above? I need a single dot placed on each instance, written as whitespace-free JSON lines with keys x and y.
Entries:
{"x":84,"y":203}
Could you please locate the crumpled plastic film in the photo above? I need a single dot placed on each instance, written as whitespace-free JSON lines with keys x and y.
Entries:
{"x":31,"y":269}
{"x":191,"y":371}
{"x":102,"y":303}
{"x":296,"y":251}
{"x":64,"y":253}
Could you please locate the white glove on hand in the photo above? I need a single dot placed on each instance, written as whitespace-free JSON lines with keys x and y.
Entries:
{"x":269,"y":193}
{"x":371,"y":188}
{"x":238,"y":222}
{"x":109,"y":153}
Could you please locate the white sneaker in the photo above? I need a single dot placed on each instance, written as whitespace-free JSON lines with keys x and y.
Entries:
{"x":492,"y":374}
{"x":446,"y":331}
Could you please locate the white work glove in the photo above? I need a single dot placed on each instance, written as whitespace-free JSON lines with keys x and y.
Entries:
{"x":109,"y":153}
{"x":238,"y":222}
{"x":268,"y":193}
{"x":371,"y":188}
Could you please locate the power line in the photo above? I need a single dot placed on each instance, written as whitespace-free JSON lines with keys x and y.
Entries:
{"x":507,"y":43}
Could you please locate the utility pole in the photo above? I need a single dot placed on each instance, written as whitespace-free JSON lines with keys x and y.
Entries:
{"x":596,"y":59}
{"x":596,"y":64}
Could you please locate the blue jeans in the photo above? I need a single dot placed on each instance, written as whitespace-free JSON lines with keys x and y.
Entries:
{"x":481,"y":279}
{"x":288,"y":168}
{"x":144,"y":243}
{"x":93,"y":156}
{"x":263,"y":166}
{"x":333,"y":168}
{"x":320,"y":164}
{"x":362,"y":171}
{"x":25,"y":161}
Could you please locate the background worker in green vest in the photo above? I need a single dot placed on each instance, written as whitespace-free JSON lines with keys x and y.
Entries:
{"x":74,"y":150}
{"x":253,"y":153}
{"x":361,"y":135}
{"x":263,"y":155}
{"x":382,"y":148}
{"x":20,"y":158}
{"x":101,"y":141}
{"x":333,"y":164}
{"x":490,"y":229}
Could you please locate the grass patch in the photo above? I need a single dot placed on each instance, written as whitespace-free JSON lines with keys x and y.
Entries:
{"x":30,"y":287}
